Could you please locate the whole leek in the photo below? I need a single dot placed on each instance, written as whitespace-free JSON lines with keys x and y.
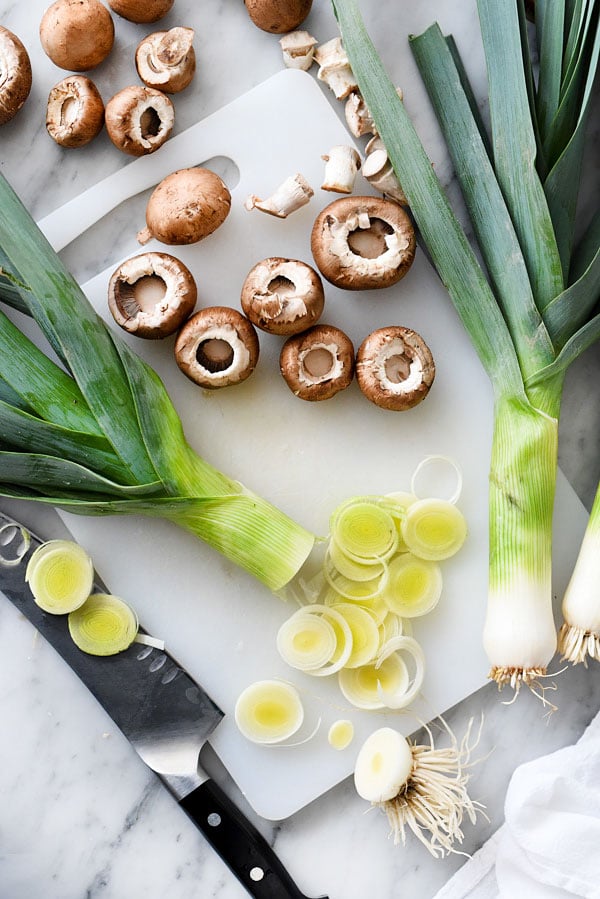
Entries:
{"x":529,"y":310}
{"x":98,"y":434}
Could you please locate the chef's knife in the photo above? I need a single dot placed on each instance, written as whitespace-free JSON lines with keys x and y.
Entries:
{"x":165,"y":715}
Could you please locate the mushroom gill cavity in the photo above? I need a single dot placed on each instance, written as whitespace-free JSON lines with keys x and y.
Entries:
{"x":282,"y":286}
{"x":141,"y":296}
{"x":370,"y":242}
{"x":149,"y":122}
{"x":69,"y":111}
{"x":318,"y":363}
{"x":397,"y":368}
{"x":214,"y":354}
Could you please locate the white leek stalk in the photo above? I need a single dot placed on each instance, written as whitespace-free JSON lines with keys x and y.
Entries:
{"x":579,"y":636}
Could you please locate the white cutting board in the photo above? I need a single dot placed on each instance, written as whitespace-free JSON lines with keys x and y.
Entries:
{"x":304,"y":457}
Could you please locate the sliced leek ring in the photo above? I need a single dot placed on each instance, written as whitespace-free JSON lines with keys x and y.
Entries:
{"x":414,"y":586}
{"x":60,"y":575}
{"x":364,"y":530}
{"x":433,"y":488}
{"x":104,"y":625}
{"x":365,"y":686}
{"x":269,"y":711}
{"x":434,"y":529}
{"x":364,"y":631}
{"x":356,"y":591}
{"x":340,"y":734}
{"x":403,"y":644}
{"x":306,"y":641}
{"x":351,"y":568}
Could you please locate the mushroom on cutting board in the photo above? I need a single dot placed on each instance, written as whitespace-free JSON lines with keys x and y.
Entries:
{"x":217,"y":347}
{"x":186,"y":207}
{"x":15,"y":75}
{"x":77,"y":34}
{"x":282,"y":296}
{"x":166,"y":60}
{"x":151,"y":295}
{"x":394,"y":368}
{"x":278,"y":16}
{"x":74,"y":112}
{"x":318,"y":363}
{"x":141,"y":11}
{"x":139,"y":119}
{"x":362,"y":243}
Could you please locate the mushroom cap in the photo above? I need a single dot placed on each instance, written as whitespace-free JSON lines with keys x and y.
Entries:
{"x":139,"y":119}
{"x":318,"y":363}
{"x":394,"y":368}
{"x":141,"y":11}
{"x":15,"y":75}
{"x":151,"y":295}
{"x":187,"y":206}
{"x":217,"y":347}
{"x":278,"y":16}
{"x":77,"y":34}
{"x":282,"y":296}
{"x":166,"y":59}
{"x":74,"y":112}
{"x":361,"y":243}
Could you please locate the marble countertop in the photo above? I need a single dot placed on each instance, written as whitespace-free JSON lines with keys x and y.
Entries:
{"x":80,"y":815}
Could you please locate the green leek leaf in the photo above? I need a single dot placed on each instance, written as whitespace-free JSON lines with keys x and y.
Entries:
{"x":572,"y":308}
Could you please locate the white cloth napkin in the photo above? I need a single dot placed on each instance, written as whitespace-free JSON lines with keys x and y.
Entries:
{"x":549,"y":845}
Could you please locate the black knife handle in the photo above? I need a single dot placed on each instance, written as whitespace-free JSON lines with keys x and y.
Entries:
{"x":239,"y":843}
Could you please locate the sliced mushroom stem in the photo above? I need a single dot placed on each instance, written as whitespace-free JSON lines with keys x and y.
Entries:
{"x":282,"y":296}
{"x":166,"y":60}
{"x":335,"y":69}
{"x":15,"y":75}
{"x":75,"y":111}
{"x":292,"y":194}
{"x":395,"y":368}
{"x":358,"y":117}
{"x":139,"y":119}
{"x":318,"y":363}
{"x":151,"y":295}
{"x":298,"y":49}
{"x":342,"y":166}
{"x":378,"y":171}
{"x":217,"y":347}
{"x":361,"y":243}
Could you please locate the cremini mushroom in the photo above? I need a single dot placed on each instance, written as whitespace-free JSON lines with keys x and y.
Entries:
{"x":293,"y":193}
{"x":318,"y":363}
{"x":139,"y":119}
{"x":335,"y":69}
{"x":186,"y":207}
{"x":342,"y":164}
{"x":378,"y":171}
{"x":151,"y":295}
{"x":15,"y":75}
{"x":74,"y":112}
{"x":217,"y":347}
{"x":166,"y":60}
{"x":282,"y":296}
{"x":141,"y":11}
{"x":394,"y":368}
{"x":278,"y":16}
{"x":361,"y":243}
{"x":77,"y":34}
{"x":298,"y":49}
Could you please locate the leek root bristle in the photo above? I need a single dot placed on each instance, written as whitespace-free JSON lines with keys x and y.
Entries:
{"x":576,"y":644}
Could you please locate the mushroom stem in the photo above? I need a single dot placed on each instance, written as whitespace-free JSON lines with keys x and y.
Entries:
{"x":291,"y":195}
{"x":341,"y":169}
{"x":335,"y":69}
{"x":298,"y":49}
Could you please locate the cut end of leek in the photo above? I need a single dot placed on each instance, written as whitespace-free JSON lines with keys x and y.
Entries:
{"x":60,"y":575}
{"x":434,"y":529}
{"x":414,"y":586}
{"x":103,"y":626}
{"x":269,"y":711}
{"x":340,"y":734}
{"x":576,"y":644}
{"x":423,"y":790}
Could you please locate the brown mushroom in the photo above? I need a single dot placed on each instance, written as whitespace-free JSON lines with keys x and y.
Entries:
{"x":317,"y":363}
{"x":166,"y":60}
{"x":75,"y":111}
{"x":186,"y":206}
{"x":217,"y":347}
{"x":15,"y":75}
{"x":361,"y":243}
{"x":77,"y":34}
{"x":395,"y":368}
{"x":151,"y":295}
{"x":282,"y":296}
{"x":139,"y":119}
{"x":141,"y":11}
{"x":278,"y":16}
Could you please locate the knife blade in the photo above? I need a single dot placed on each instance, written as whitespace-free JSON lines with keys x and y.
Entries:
{"x":165,"y":715}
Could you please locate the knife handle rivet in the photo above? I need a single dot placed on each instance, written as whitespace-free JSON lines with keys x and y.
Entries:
{"x":257,"y":874}
{"x":214,"y":819}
